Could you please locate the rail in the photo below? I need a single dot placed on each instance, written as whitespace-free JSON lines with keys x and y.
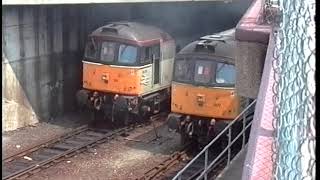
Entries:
{"x":166,"y":165}
{"x":45,"y":143}
{"x":208,"y":167}
{"x":45,"y":154}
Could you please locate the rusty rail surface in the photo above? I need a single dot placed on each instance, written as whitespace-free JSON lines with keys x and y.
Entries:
{"x":166,"y":165}
{"x":46,"y":154}
{"x":160,"y":171}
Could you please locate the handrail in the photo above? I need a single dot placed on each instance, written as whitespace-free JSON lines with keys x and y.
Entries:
{"x":205,"y":149}
{"x":216,"y":159}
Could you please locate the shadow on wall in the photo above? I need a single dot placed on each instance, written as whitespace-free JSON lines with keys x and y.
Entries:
{"x":43,"y":47}
{"x":41,"y":61}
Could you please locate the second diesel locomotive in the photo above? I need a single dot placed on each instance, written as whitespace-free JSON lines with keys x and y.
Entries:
{"x":129,"y":60}
{"x":203,"y":87}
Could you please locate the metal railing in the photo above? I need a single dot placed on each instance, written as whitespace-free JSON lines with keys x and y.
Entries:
{"x":208,"y":167}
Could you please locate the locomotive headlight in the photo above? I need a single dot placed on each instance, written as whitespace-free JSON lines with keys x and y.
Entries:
{"x":232,"y":93}
{"x":212,"y":121}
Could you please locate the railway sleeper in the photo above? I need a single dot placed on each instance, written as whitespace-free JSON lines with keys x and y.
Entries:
{"x":80,"y":141}
{"x":53,"y":150}
{"x":103,"y":131}
{"x":85,"y":138}
{"x":20,"y":164}
{"x":42,"y":156}
{"x":14,"y":169}
{"x":74,"y":142}
{"x":95,"y":134}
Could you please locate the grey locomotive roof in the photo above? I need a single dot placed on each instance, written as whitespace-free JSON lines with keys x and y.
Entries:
{"x":131,"y":31}
{"x":224,"y":45}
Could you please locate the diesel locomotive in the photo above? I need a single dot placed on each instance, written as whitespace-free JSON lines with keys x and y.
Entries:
{"x":203,"y":87}
{"x":129,"y":62}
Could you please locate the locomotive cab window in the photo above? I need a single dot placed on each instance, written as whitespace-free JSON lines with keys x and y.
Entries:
{"x":108,"y":51}
{"x":91,"y":50}
{"x":127,"y":54}
{"x":203,"y":72}
{"x":183,"y":71}
{"x":225,"y":74}
{"x":116,"y":53}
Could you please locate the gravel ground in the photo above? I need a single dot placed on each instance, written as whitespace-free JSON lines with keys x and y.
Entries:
{"x":121,"y":158}
{"x":17,"y":140}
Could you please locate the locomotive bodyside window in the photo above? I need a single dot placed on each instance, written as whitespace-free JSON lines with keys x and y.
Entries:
{"x":225,"y":74}
{"x":203,"y":72}
{"x":149,"y":52}
{"x":108,"y":51}
{"x":146,"y":57}
{"x":156,"y":51}
{"x":183,"y":71}
{"x":127,"y":54}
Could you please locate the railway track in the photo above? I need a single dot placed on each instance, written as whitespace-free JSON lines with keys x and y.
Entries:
{"x":198,"y":166}
{"x":168,"y":168}
{"x":171,"y":166}
{"x":44,"y":155}
{"x":166,"y":165}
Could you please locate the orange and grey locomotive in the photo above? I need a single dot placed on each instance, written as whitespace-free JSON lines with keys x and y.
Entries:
{"x":204,"y":98}
{"x":127,"y":67}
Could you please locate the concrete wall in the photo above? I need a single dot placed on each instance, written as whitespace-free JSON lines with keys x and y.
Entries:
{"x":43,"y":45}
{"x":40,"y":62}
{"x":252,"y":35}
{"x":249,"y":64}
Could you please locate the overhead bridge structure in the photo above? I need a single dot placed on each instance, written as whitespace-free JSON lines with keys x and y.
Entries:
{"x":47,"y":2}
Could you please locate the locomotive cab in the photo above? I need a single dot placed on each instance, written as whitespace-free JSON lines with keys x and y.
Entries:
{"x":203,"y":87}
{"x":130,"y":60}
